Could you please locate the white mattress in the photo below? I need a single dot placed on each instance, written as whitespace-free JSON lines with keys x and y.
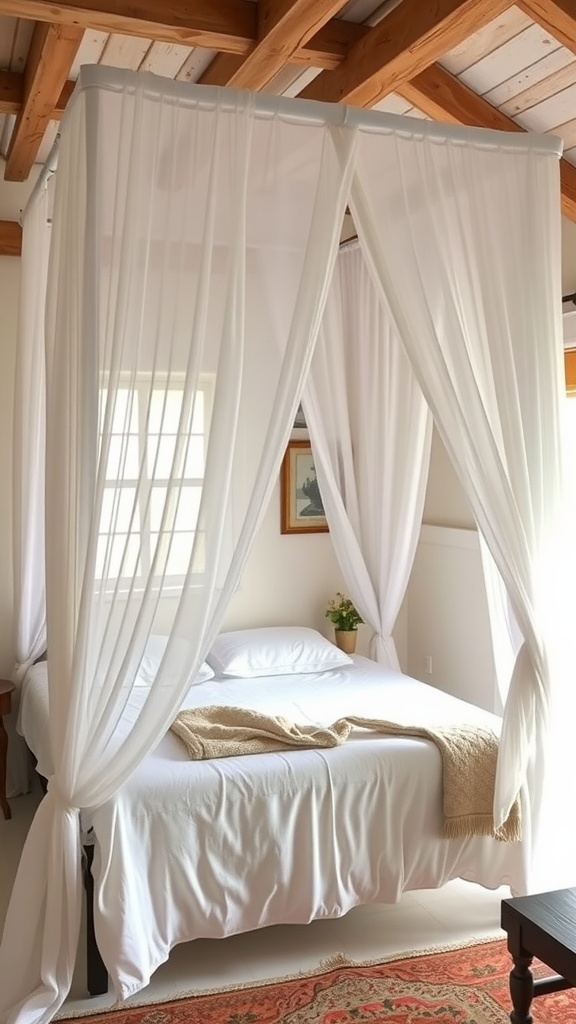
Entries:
{"x":206,"y":849}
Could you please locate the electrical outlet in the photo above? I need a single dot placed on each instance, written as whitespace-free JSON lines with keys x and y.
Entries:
{"x":428,"y":664}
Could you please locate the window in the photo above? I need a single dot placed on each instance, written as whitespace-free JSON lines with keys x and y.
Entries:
{"x":153,"y":479}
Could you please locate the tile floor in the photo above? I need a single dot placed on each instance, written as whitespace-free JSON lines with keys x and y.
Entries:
{"x":457,"y":913}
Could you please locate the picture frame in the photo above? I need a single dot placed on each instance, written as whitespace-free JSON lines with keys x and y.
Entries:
{"x":300,"y":502}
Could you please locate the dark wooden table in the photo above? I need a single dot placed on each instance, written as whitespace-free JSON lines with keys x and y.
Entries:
{"x":543,"y":926}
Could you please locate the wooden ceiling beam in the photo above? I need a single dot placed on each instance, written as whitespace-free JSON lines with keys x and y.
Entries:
{"x":568,"y":188}
{"x":52,"y":52}
{"x":284,"y":26}
{"x":10,"y":238}
{"x":442,"y":97}
{"x":326,"y":49}
{"x":229,"y":25}
{"x":558,"y":17}
{"x":411,"y":37}
{"x":12,"y":94}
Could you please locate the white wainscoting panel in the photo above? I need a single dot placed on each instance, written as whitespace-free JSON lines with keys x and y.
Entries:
{"x":448,"y":640}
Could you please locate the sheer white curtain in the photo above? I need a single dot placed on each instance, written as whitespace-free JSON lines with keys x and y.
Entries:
{"x":505,"y":633}
{"x":465,"y":243}
{"x":370,"y":430}
{"x":193,"y":242}
{"x":29,"y":437}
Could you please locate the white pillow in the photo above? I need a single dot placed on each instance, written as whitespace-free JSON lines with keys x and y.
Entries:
{"x":274,"y":651}
{"x":153,"y":654}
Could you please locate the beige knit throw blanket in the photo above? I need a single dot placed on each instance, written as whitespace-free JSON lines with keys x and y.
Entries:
{"x":468,"y":754}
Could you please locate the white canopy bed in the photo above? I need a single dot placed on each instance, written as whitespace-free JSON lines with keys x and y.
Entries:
{"x":194,"y":235}
{"x":192,"y":849}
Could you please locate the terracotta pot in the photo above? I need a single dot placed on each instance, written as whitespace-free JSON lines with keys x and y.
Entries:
{"x":346,"y":639}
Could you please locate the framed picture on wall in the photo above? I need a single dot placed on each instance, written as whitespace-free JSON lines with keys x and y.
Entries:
{"x":301,"y":505}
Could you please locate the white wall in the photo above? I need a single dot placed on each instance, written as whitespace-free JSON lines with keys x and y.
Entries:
{"x":449,"y":631}
{"x":448,"y":642}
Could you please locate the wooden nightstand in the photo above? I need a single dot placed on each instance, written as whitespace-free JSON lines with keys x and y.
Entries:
{"x":6,"y":688}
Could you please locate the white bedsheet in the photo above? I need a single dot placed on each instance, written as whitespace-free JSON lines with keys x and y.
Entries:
{"x":206,"y":849}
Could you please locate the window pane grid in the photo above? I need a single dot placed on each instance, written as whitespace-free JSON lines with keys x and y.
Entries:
{"x":150,"y":510}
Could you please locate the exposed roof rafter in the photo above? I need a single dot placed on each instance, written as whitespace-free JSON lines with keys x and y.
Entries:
{"x":51,"y":55}
{"x":284,"y":26}
{"x":410,"y":38}
{"x":10,"y":238}
{"x":262,"y":45}
{"x":230,"y":26}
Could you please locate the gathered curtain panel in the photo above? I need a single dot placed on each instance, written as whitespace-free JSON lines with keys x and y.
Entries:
{"x":465,"y":248}
{"x":194,"y":235}
{"x":192,"y":245}
{"x":370,"y":430}
{"x":29,"y":442}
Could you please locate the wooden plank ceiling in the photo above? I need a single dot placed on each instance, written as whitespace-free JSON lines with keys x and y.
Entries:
{"x":490,"y":63}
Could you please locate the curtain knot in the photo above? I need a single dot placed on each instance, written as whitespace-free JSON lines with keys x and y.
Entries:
{"x":383,"y":649}
{"x":61,"y":801}
{"x":20,"y":669}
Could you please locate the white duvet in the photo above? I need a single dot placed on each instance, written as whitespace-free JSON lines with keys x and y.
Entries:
{"x":211,"y":848}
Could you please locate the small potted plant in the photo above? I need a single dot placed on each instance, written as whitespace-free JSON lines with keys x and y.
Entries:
{"x":346,"y":620}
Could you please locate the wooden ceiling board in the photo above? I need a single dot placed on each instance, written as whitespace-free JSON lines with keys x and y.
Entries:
{"x":21,"y":44}
{"x":555,"y":110}
{"x":544,"y":78}
{"x":7,"y":126}
{"x":555,"y":16}
{"x":497,"y":32}
{"x":195,"y":64}
{"x":90,"y":51}
{"x":126,"y":52}
{"x":165,"y":59}
{"x":285,"y":79}
{"x":300,"y":83}
{"x":361,"y":10}
{"x":394,"y":104}
{"x":512,"y":57}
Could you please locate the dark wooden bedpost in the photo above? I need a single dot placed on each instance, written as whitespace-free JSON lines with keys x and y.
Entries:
{"x":96,"y":973}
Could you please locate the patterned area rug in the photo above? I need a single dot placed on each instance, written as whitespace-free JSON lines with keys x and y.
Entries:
{"x":468,"y":985}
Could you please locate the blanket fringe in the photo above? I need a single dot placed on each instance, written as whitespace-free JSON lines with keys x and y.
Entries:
{"x":482,"y":825}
